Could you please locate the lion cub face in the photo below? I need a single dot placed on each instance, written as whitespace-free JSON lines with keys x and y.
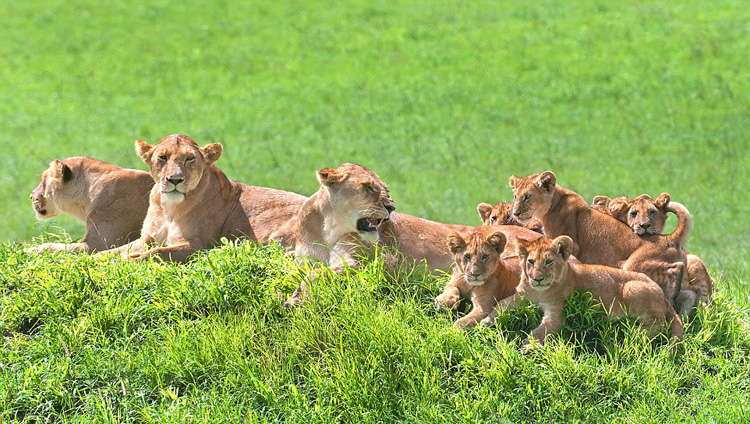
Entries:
{"x":477,"y":255}
{"x":359,"y":198}
{"x":544,"y":261}
{"x":647,"y":216}
{"x":177,"y":164}
{"x":51,"y":190}
{"x":499,"y":214}
{"x":532,"y":196}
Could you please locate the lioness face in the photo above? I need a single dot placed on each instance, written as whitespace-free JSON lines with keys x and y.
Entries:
{"x":647,"y":216}
{"x":499,"y":214}
{"x":544,"y":260}
{"x":43,"y":197}
{"x":177,"y":164}
{"x":360,"y":199}
{"x":476,"y":256}
{"x":532,"y":196}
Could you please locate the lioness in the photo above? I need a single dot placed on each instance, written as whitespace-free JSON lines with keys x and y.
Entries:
{"x":548,"y":278}
{"x":481,"y":269}
{"x":193,"y":204}
{"x":352,"y":211}
{"x":502,"y":214}
{"x":111,"y":201}
{"x":599,"y":238}
{"x":646,"y":216}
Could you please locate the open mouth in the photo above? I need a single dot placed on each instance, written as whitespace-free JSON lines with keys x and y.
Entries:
{"x":368,"y":225}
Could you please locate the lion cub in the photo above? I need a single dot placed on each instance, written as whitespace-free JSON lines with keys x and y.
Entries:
{"x":548,"y":278}
{"x":502,"y":214}
{"x":111,"y":202}
{"x":599,"y":238}
{"x":647,"y":216}
{"x":480,"y":269}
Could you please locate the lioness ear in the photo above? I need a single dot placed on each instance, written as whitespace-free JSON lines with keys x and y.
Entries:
{"x":522,"y":247}
{"x":601,"y":200}
{"x":144,"y":150}
{"x":662,"y":201}
{"x":515,"y":181}
{"x":61,"y":171}
{"x":497,"y":240}
{"x":455,"y":242}
{"x":484,"y":209}
{"x":328,"y":176}
{"x":211,"y":152}
{"x":547,"y":180}
{"x":563,"y":246}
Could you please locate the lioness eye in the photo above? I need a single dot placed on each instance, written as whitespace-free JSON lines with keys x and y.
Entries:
{"x":370,"y":188}
{"x":190,"y":159}
{"x":485,"y":256}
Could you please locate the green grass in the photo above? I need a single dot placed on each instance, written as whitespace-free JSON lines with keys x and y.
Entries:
{"x":444,"y":100}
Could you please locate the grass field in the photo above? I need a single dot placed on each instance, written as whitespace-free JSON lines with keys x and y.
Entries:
{"x":444,"y":100}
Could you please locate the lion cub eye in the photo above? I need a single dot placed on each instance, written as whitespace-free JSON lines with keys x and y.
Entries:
{"x":190,"y":159}
{"x":493,"y":218}
{"x":633,"y":214}
{"x":548,"y":262}
{"x":485,"y":256}
{"x":526,"y":197}
{"x":652,"y":212}
{"x":530,"y":261}
{"x":162,"y":158}
{"x":467,"y":257}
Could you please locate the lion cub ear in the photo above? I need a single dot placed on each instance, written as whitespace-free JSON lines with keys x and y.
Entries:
{"x":61,"y":171}
{"x":515,"y":181}
{"x":601,"y":200}
{"x":212,"y":152}
{"x":662,"y":201}
{"x":618,"y":206}
{"x":547,"y":180}
{"x":455,"y":242}
{"x":522,"y":247}
{"x":484,"y":209}
{"x":563,"y":246}
{"x":329,"y":176}
{"x":144,"y":150}
{"x":497,"y":240}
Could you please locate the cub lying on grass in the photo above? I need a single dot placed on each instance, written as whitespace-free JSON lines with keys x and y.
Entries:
{"x":502,"y":214}
{"x":111,"y":202}
{"x":548,"y":278}
{"x":481,"y":269}
{"x":599,"y":238}
{"x":193,"y":204}
{"x":646,"y":216}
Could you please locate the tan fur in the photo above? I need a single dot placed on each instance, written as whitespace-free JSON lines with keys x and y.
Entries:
{"x":327,"y":225}
{"x":482,"y":269}
{"x":193,"y":204}
{"x":647,"y":216}
{"x":599,"y":238}
{"x":111,"y":201}
{"x":548,"y":278}
{"x":502,"y":214}
{"x":616,"y":207}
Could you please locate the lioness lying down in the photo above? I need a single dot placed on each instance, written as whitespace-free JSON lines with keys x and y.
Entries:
{"x":599,"y":238}
{"x":352,"y":211}
{"x":548,"y":278}
{"x":484,"y":269}
{"x":646,"y":216}
{"x":193,"y":204}
{"x":111,"y":201}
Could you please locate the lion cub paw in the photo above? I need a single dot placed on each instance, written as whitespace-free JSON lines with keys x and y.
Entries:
{"x":446,"y":302}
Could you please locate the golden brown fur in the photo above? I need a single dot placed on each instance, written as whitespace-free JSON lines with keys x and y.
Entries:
{"x":548,"y":278}
{"x":646,"y":216}
{"x":193,"y":204}
{"x":616,"y":207}
{"x":599,"y":238}
{"x":502,"y":214}
{"x":483,"y":270}
{"x":111,"y":201}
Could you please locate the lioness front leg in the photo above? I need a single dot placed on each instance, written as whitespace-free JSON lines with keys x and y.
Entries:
{"x":126,"y":250}
{"x":506,"y":304}
{"x":59,"y":247}
{"x":174,"y":253}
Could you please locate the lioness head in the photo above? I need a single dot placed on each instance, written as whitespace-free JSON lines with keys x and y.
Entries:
{"x":616,"y":207}
{"x":359,"y":198}
{"x":532,"y":196}
{"x":177,"y":164}
{"x":647,"y":216}
{"x":56,"y":186}
{"x":476,"y":255}
{"x":544,"y":260}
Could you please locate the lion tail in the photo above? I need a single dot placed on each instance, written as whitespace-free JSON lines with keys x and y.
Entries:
{"x":676,"y":327}
{"x":681,"y":234}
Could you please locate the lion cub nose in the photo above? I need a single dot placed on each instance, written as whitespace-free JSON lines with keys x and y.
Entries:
{"x":389,"y":206}
{"x":175,"y":180}
{"x":645,"y":225}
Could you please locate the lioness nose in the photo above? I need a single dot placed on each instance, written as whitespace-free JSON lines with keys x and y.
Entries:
{"x":389,"y":206}
{"x":175,"y":180}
